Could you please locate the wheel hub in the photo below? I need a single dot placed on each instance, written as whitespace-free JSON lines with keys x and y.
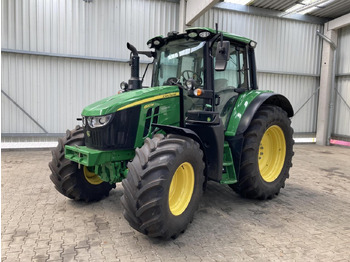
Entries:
{"x":91,"y":177}
{"x":272,"y":153}
{"x":181,"y":189}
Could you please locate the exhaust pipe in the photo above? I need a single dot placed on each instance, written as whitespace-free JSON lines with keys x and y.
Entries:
{"x":134,"y":82}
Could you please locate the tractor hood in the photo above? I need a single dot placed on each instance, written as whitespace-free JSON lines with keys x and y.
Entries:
{"x":129,"y":99}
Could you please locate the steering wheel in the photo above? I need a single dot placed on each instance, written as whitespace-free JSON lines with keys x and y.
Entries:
{"x":172,"y":81}
{"x":189,"y":74}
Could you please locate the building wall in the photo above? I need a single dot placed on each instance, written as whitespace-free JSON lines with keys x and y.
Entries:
{"x":342,"y":102}
{"x":75,"y":54}
{"x":59,"y":56}
{"x":97,"y":29}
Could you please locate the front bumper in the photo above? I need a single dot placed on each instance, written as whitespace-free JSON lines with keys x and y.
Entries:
{"x":93,"y":157}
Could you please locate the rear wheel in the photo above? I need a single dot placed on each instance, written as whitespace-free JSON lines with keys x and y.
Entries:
{"x":266,"y":155}
{"x":69,"y":180}
{"x":164,"y":186}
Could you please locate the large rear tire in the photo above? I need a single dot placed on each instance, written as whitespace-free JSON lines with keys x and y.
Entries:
{"x":164,"y":186}
{"x":267,"y":154}
{"x":69,"y":180}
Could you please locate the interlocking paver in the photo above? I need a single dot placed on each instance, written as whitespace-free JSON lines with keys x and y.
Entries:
{"x":308,"y":221}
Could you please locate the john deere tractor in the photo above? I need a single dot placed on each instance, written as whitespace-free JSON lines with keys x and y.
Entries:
{"x":203,"y":118}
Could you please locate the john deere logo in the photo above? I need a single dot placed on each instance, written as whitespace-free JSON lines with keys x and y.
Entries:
{"x":88,"y":133}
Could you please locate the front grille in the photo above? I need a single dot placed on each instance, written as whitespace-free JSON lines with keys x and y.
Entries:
{"x":120,"y":133}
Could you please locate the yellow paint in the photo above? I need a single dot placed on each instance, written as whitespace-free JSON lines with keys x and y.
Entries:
{"x":181,"y":189}
{"x":91,"y":177}
{"x":146,"y":100}
{"x":149,"y":105}
{"x":272,"y":153}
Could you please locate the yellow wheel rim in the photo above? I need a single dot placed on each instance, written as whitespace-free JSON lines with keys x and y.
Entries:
{"x":181,"y":188}
{"x":91,"y":177}
{"x":272,"y":152}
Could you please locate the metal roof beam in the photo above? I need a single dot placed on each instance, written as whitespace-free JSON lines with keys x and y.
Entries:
{"x":195,"y":8}
{"x":270,"y":13}
{"x":339,"y":22}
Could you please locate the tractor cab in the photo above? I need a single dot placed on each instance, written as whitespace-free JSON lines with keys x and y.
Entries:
{"x":211,"y":67}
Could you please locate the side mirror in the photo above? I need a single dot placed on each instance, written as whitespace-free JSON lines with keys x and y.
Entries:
{"x":222,"y":55}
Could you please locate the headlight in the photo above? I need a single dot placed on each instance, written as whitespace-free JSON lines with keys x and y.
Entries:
{"x":204,"y":34}
{"x":98,"y":121}
{"x":193,"y":34}
{"x":84,"y":120}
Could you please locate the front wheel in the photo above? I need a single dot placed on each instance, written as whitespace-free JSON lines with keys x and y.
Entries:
{"x":71,"y":181}
{"x":164,"y":186}
{"x":266,"y":155}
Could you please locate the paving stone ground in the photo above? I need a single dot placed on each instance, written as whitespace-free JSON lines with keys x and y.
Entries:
{"x":308,"y":221}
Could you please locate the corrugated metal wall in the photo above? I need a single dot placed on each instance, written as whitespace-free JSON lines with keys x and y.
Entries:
{"x":342,"y":104}
{"x":54,"y":90}
{"x":287,"y":55}
{"x":99,"y":28}
{"x":298,"y":89}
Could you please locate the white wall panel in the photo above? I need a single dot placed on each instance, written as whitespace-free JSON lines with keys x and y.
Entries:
{"x":342,"y":103}
{"x":344,"y":51}
{"x":54,"y":90}
{"x":283,"y":45}
{"x":100,"y":28}
{"x":298,"y":89}
{"x":342,"y":110}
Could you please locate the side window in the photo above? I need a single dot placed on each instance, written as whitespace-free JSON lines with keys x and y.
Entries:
{"x":167,"y":68}
{"x":234,"y":76}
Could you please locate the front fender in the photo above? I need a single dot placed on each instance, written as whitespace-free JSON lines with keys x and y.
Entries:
{"x":247,"y":106}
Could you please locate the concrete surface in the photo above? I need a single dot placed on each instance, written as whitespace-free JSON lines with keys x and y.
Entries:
{"x":308,"y":221}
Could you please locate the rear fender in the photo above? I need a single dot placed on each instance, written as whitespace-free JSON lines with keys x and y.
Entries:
{"x":247,"y":115}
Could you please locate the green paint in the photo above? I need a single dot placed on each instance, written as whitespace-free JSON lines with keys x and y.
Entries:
{"x":112,"y":104}
{"x":169,"y":114}
{"x":92,"y":157}
{"x":109,"y":165}
{"x":241,"y":105}
{"x":112,"y":172}
{"x":229,"y":176}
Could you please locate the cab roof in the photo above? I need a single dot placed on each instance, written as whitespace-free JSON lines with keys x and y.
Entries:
{"x":197,"y":33}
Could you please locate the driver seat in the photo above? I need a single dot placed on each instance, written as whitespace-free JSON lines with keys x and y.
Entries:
{"x":220,"y":84}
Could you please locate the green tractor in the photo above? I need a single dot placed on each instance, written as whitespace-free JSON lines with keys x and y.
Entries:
{"x":203,"y":118}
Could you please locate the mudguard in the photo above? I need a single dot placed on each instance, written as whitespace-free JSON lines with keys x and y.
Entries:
{"x":247,"y":106}
{"x":211,"y":141}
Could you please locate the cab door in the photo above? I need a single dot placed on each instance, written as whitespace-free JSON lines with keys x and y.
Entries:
{"x":228,"y":81}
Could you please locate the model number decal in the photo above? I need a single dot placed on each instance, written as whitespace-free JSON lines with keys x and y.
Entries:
{"x":146,"y":100}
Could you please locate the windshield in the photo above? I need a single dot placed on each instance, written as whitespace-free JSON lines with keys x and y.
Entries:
{"x":179,"y":61}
